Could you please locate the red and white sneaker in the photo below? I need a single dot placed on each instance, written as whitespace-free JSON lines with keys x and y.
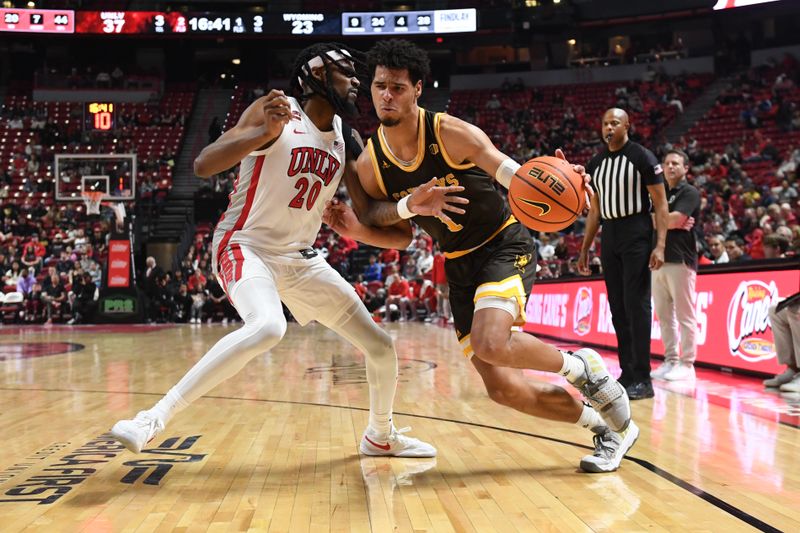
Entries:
{"x":136,"y":433}
{"x":395,"y":444}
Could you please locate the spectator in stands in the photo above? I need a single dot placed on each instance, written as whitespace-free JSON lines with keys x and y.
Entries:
{"x":545,"y":250}
{"x":734,"y":247}
{"x":103,"y":79}
{"x":198,"y":294}
{"x":775,"y":246}
{"x":54,"y":296}
{"x":182,"y":305}
{"x":785,"y":322}
{"x":83,"y":304}
{"x":217,"y":301}
{"x":373,"y":271}
{"x":33,"y":252}
{"x":410,"y":270}
{"x":424,"y":262}
{"x":197,"y":281}
{"x":716,"y":248}
{"x":493,"y":103}
{"x":13,"y":274}
{"x":117,"y":77}
{"x":25,"y":281}
{"x":389,"y":256}
{"x":398,"y":294}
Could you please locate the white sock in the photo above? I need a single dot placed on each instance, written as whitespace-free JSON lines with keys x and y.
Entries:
{"x":169,"y":405}
{"x":380,"y":424}
{"x":590,"y":418}
{"x":381,"y":362}
{"x":572,"y":368}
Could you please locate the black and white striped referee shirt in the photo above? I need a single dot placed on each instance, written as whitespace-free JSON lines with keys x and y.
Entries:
{"x":620,"y":180}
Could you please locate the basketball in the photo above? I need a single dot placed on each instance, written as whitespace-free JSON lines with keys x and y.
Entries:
{"x":546,"y":194}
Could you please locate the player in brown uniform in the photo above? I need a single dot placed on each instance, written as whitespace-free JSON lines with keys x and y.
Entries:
{"x":490,"y":257}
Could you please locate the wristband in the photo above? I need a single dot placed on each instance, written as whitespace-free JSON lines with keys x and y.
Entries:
{"x":402,"y":208}
{"x":506,"y":171}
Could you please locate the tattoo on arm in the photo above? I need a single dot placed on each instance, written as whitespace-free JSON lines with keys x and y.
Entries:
{"x":382,"y":213}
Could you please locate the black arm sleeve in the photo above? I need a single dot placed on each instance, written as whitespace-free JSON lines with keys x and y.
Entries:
{"x":350,"y":143}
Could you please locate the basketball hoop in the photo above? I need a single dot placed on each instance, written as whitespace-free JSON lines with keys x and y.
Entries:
{"x":92,"y":200}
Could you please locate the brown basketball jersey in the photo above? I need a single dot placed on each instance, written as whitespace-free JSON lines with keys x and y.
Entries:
{"x":487,"y":211}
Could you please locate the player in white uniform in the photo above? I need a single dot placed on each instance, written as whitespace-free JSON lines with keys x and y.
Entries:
{"x":292,"y":159}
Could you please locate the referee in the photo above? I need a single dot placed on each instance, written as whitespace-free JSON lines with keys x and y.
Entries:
{"x":625,"y":176}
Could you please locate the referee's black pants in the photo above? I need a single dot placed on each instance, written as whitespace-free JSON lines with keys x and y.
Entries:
{"x":625,"y":254}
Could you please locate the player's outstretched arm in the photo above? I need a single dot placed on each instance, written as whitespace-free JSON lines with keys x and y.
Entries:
{"x":347,"y":221}
{"x":258,"y":127}
{"x":429,"y":199}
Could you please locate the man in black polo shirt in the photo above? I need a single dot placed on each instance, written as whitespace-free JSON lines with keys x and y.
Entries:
{"x":625,"y":177}
{"x":674,"y":283}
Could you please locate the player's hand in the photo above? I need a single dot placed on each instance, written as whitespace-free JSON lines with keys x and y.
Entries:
{"x":688,"y":224}
{"x":656,"y":258}
{"x":583,"y":264}
{"x":341,"y":218}
{"x":431,"y":200}
{"x":277,"y":113}
{"x":587,"y":190}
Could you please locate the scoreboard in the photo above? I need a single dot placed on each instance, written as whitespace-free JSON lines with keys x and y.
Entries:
{"x":37,"y":20}
{"x":272,"y":24}
{"x":405,"y":22}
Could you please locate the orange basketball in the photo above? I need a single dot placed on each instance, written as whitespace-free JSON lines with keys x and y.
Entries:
{"x":546,"y":194}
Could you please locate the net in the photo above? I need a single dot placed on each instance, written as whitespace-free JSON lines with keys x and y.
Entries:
{"x":92,"y":200}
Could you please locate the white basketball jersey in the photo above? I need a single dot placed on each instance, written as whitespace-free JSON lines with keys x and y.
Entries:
{"x":280,"y":193}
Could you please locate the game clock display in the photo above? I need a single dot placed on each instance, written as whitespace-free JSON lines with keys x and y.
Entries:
{"x":99,"y":116}
{"x":142,"y":22}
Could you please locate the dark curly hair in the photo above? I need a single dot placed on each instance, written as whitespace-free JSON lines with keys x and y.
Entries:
{"x":400,"y":54}
{"x":303,"y":85}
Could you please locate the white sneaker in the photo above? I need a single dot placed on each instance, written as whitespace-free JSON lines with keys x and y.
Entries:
{"x":792,"y":386}
{"x":781,"y":379}
{"x":665,"y":367}
{"x":602,"y":391}
{"x":395,"y":445}
{"x":681,"y":372}
{"x":609,"y":448}
{"x":136,"y":433}
{"x":224,"y":321}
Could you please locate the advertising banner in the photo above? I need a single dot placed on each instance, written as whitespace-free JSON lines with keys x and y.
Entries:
{"x":733,"y":327}
{"x":119,"y":264}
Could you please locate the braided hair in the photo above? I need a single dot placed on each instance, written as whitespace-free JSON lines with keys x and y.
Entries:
{"x":304,"y":85}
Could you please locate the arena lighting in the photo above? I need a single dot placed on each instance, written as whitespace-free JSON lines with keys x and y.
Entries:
{"x":31,"y":4}
{"x":571,"y":42}
{"x":236,"y":61}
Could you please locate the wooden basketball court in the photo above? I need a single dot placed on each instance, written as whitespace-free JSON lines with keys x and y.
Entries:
{"x":276,"y":447}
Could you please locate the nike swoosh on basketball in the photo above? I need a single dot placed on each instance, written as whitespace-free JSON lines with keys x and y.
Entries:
{"x":385,"y":447}
{"x":543,"y":207}
{"x":299,"y":132}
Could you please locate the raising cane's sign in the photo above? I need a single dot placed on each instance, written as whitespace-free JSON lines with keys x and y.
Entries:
{"x":732,"y":312}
